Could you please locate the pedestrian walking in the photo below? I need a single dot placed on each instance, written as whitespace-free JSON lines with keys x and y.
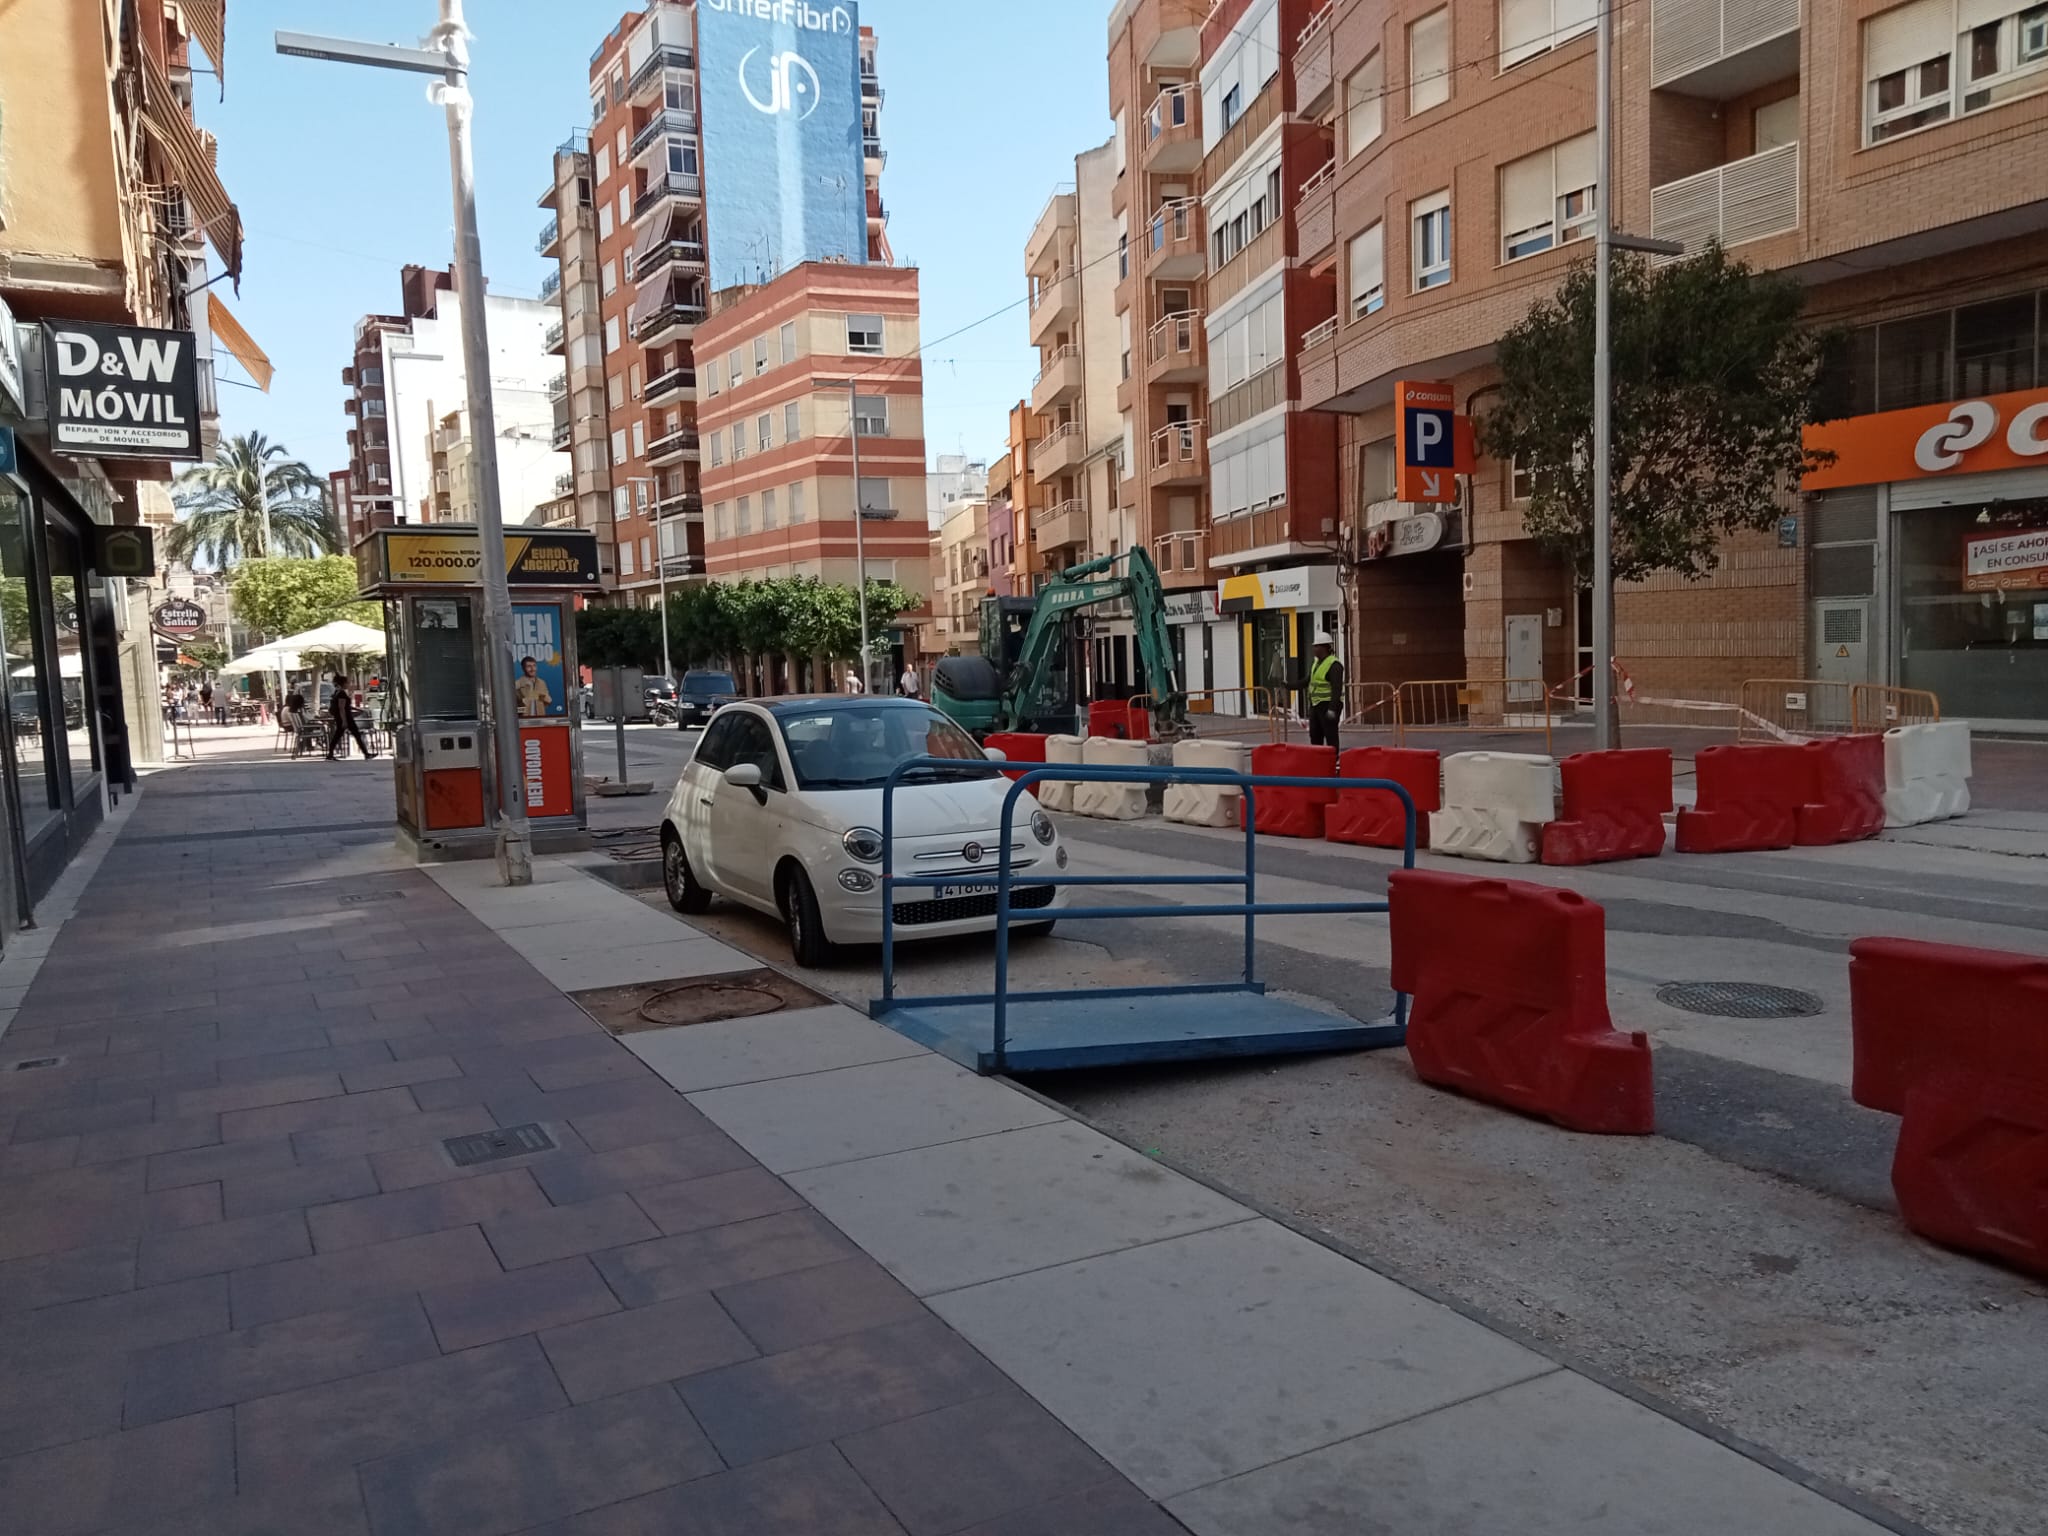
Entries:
{"x":206,"y":699}
{"x":341,"y":710}
{"x":854,"y":683}
{"x":907,"y":684}
{"x":1325,"y":694}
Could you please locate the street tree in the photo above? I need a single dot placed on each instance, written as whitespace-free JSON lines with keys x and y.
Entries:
{"x":619,"y":637}
{"x":1714,"y":382}
{"x":284,"y":597}
{"x":221,"y":508}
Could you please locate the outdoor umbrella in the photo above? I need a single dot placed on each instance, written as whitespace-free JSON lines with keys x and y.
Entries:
{"x":340,"y":638}
{"x":275,"y":657}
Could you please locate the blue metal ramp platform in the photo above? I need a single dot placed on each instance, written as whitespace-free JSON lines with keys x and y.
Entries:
{"x":1006,"y":1031}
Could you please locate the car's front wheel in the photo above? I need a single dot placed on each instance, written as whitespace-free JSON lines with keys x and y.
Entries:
{"x":808,"y":945}
{"x":678,"y":879}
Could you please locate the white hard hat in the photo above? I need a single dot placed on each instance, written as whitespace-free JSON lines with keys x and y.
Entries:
{"x":1323,"y":638}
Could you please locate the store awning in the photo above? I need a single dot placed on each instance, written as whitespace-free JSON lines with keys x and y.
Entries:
{"x":227,"y":330}
{"x":191,"y":163}
{"x":207,"y":23}
{"x":653,"y":234}
{"x":652,"y":299}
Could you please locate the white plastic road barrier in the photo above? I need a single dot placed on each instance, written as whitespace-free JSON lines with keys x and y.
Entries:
{"x":1496,"y":805}
{"x":1926,"y":772}
{"x":1112,"y":802}
{"x":1207,"y":805}
{"x":1058,"y":794}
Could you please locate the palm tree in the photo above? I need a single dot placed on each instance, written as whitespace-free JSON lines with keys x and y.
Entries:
{"x":222,"y":506}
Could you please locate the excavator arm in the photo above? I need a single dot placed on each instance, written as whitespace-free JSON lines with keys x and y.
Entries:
{"x":1085,"y":586}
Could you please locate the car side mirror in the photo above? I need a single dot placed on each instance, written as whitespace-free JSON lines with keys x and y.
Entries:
{"x":747,"y":776}
{"x":995,"y":754}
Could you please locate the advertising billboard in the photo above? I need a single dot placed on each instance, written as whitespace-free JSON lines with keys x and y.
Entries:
{"x":778,"y":85}
{"x":538,"y":688}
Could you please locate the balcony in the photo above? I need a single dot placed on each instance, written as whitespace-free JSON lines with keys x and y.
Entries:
{"x":1315,"y":211}
{"x":1055,"y":302}
{"x":550,"y":232}
{"x":1176,"y":351}
{"x":674,"y":447}
{"x":1264,"y":391}
{"x":551,"y":341}
{"x":1059,"y":451}
{"x":684,"y":503}
{"x":877,"y":157}
{"x":669,"y":120}
{"x":682,"y":565}
{"x":551,"y":284}
{"x":1316,"y":335}
{"x":678,"y":253}
{"x":670,"y":308}
{"x":665,"y":187}
{"x":1058,"y":214}
{"x":1721,"y":49}
{"x":678,"y":383}
{"x":564,"y":484}
{"x":1174,"y":249}
{"x":1264,"y":529}
{"x":1242,"y":134}
{"x":1178,"y":456}
{"x":1314,"y":69}
{"x":1059,"y":379}
{"x":647,"y":79}
{"x":563,"y":435}
{"x":1180,"y":556}
{"x":1173,"y":131}
{"x":1741,"y":201}
{"x":1062,"y":526}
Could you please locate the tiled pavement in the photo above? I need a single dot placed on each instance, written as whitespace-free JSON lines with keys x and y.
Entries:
{"x":244,"y":1289}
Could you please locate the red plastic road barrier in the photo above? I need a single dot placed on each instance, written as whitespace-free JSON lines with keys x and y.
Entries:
{"x":1749,"y":798}
{"x":1119,"y":718}
{"x":1374,"y":818}
{"x":1614,"y":805}
{"x":1018,"y":747}
{"x":1848,"y":791}
{"x":1509,"y":989}
{"x":1291,"y":812}
{"x":1956,"y":1041}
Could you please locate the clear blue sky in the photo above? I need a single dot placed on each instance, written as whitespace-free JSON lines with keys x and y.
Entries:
{"x":341,"y":174}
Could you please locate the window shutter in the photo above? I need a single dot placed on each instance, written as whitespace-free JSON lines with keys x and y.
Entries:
{"x":1577,"y":163}
{"x":1368,"y":261}
{"x":1910,"y":35}
{"x":1972,"y":14}
{"x":1572,"y":17}
{"x":1525,"y":195}
{"x":1524,"y":30}
{"x":1429,"y":60}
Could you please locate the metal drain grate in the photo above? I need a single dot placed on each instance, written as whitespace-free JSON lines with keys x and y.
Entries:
{"x":1739,"y":1000}
{"x":360,"y":898}
{"x":490,"y":1146}
{"x":37,"y":1063}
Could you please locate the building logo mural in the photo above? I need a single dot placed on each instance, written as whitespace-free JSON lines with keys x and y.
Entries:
{"x":791,"y":81}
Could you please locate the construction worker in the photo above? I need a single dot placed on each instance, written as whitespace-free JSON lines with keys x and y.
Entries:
{"x":1325,"y":694}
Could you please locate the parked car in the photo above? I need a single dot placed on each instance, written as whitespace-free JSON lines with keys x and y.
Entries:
{"x":703,"y":695}
{"x":781,"y":810}
{"x":658,"y":690}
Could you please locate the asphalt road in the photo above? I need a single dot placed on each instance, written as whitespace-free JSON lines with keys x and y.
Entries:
{"x":1745,"y":1262}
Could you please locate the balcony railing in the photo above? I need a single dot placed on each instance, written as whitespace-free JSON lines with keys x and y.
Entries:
{"x":1706,"y":39}
{"x":667,"y":185}
{"x":667,"y":56}
{"x":675,"y":381}
{"x":679,"y":504}
{"x":557,"y":386}
{"x":564,"y":433}
{"x":1177,"y":449}
{"x":1053,"y":359}
{"x":1053,"y":289}
{"x":669,"y":315}
{"x":1316,"y":335}
{"x":565,"y":484}
{"x":1061,"y":439}
{"x":1321,"y":177}
{"x":1176,"y":553}
{"x":687,"y":253}
{"x":1176,"y":230}
{"x":552,"y":340}
{"x":1172,"y":108}
{"x":1743,"y":200}
{"x":550,"y":232}
{"x":668,"y":120}
{"x":551,"y":284}
{"x":1175,"y":341}
{"x":681,"y":441}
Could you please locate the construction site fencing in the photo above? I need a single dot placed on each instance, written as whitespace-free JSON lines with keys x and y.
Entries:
{"x":1806,"y":708}
{"x":1372,"y":707}
{"x":1485,"y":706}
{"x":1227,"y":712}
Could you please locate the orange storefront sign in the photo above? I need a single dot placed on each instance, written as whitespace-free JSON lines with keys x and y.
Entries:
{"x":1962,"y":437}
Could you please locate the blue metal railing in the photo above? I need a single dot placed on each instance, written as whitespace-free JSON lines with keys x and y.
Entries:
{"x":1006,"y":880}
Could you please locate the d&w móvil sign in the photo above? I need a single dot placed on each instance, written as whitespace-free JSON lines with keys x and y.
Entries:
{"x":119,"y":391}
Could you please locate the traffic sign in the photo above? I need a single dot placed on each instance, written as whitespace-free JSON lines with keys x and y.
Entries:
{"x":1431,"y":449}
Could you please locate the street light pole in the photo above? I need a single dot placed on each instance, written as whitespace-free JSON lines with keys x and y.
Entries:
{"x":1603,"y":403}
{"x":860,"y":543}
{"x":263,"y":504}
{"x":447,"y":55}
{"x":660,"y":567}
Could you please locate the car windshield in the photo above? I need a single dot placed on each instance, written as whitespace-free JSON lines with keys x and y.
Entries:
{"x":857,"y":746}
{"x":709,"y":682}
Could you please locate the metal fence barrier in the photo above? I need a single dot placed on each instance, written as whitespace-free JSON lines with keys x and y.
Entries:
{"x":1805,"y":708}
{"x":1479,"y":705}
{"x":1006,"y":881}
{"x":1224,"y":712}
{"x":1371,"y":707}
{"x":1875,"y":707}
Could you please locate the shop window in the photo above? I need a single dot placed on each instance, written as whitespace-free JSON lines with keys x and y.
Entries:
{"x":32,"y":685}
{"x":1995,"y":347}
{"x":68,"y":608}
{"x":1913,"y":362}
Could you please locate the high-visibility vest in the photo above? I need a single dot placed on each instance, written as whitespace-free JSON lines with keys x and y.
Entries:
{"x":1319,"y":690}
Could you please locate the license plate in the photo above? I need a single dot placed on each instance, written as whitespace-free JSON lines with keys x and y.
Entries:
{"x":956,"y":892}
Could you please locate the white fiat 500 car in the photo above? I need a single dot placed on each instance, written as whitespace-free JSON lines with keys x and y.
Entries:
{"x":781,"y":809}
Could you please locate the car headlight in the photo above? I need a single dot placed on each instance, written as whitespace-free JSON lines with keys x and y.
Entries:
{"x":1041,"y":827}
{"x":856,"y":880}
{"x":863,"y":843}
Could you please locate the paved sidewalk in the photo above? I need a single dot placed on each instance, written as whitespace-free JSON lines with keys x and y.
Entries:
{"x":783,"y":1275}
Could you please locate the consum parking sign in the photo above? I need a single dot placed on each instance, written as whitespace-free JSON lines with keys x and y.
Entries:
{"x":1432,"y":451}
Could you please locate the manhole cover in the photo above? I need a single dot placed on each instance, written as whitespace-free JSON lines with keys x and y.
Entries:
{"x":1739,"y":1000}
{"x":686,"y":1000}
{"x":490,"y":1146}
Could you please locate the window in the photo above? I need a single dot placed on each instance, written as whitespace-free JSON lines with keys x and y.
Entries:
{"x":760,"y":355}
{"x":626,"y":557}
{"x":864,"y":334}
{"x":607,"y":277}
{"x":1776,"y":125}
{"x":792,"y":422}
{"x":646,"y":553}
{"x":625,"y":199}
{"x":714,"y":445}
{"x":796,"y":503}
{"x":1368,"y":272}
{"x":604,"y":222}
{"x":682,"y":157}
{"x":874,"y":496}
{"x":626,"y":264}
{"x":639,"y":441}
{"x":718,"y":520}
{"x":633,"y":380}
{"x":1530,"y":27}
{"x":1906,"y":55}
{"x":619,"y":447}
{"x":641,"y":492}
{"x":1246,"y":59}
{"x":711,"y":377}
{"x":767,"y":509}
{"x":1548,"y":198}
{"x":1233,"y":105}
{"x":745,"y":516}
{"x":679,"y":93}
{"x":735,"y":367}
{"x":615,"y":391}
{"x":788,"y":337}
{"x":764,"y":433}
{"x":1123,"y":255}
{"x":739,"y":441}
{"x":604,"y":162}
{"x":1994,"y":347}
{"x":1431,"y":256}
{"x":1239,"y":213}
{"x":1249,"y":342}
{"x":2008,"y":55}
{"x":871,"y":415}
{"x":1363,"y":117}
{"x":1429,"y":62}
{"x":1913,"y":361}
{"x":1122,"y":145}
{"x":754,"y":742}
{"x":1521,"y":481}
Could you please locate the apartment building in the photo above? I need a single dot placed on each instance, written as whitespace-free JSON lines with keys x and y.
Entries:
{"x":959,"y":578}
{"x":953,"y":478}
{"x":113,"y":219}
{"x":1027,"y":500}
{"x":629,"y":234}
{"x":372,"y":503}
{"x":1002,"y":529}
{"x":1886,"y":156}
{"x":791,"y":371}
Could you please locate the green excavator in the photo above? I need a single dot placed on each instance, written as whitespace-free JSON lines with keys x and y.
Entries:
{"x":1021,"y":680}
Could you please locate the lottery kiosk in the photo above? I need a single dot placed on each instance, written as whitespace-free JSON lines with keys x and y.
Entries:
{"x":438,"y":694}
